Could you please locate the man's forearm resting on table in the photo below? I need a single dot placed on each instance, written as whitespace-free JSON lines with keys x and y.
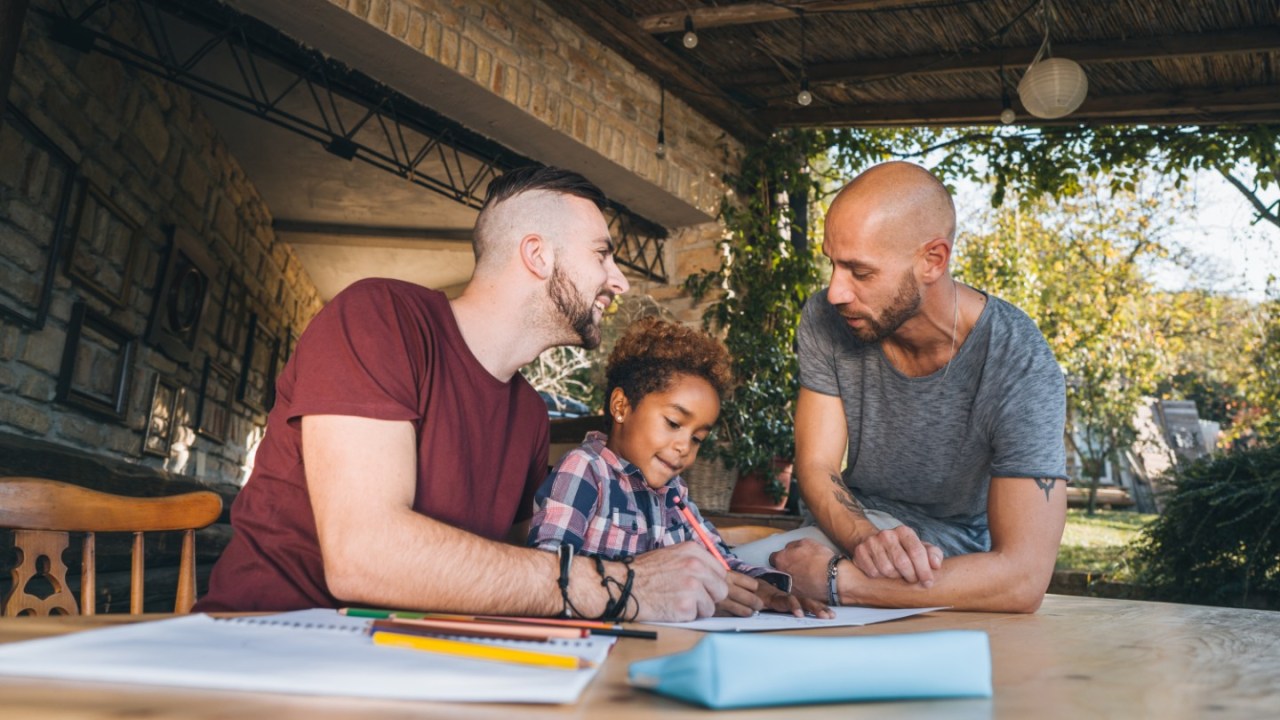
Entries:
{"x":980,"y":581}
{"x":1026,"y":517}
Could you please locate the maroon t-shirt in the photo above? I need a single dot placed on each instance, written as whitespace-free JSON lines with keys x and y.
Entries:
{"x":389,"y":350}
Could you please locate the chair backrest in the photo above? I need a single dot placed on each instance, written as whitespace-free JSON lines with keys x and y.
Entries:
{"x":43,"y":512}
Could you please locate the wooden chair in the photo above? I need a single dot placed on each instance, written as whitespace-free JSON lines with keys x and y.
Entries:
{"x":42,"y":513}
{"x":736,"y":535}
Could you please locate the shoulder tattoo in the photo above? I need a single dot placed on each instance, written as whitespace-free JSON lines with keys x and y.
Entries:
{"x":1046,"y":484}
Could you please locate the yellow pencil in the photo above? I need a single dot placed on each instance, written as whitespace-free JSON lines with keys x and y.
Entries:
{"x":480,"y":652}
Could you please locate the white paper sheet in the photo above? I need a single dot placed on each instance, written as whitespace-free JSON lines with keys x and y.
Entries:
{"x":312,"y":652}
{"x":845,"y":616}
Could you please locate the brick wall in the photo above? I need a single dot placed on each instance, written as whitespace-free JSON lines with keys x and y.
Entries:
{"x":150,"y":151}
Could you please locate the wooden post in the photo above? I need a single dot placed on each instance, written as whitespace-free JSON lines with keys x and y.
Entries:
{"x":12,"y":13}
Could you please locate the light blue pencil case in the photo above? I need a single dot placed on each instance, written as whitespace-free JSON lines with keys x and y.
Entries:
{"x":731,"y":670}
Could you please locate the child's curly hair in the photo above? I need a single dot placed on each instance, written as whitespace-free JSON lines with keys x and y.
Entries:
{"x":653,"y":351}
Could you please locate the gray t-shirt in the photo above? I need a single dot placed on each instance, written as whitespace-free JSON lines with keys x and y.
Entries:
{"x":925,"y":449}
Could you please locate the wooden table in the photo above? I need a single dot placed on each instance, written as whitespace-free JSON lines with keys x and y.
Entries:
{"x":1076,"y":658}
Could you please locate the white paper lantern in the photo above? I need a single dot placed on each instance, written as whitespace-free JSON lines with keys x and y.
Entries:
{"x":1053,"y":87}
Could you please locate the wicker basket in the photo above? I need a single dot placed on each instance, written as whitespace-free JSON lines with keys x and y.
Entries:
{"x":711,"y":485}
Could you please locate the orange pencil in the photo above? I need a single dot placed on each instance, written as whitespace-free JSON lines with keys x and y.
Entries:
{"x":702,"y":535}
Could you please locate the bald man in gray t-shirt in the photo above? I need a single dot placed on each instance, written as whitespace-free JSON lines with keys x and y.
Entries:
{"x":929,"y":425}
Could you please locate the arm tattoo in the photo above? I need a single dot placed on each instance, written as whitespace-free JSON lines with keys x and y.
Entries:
{"x":846,"y":498}
{"x":1046,"y":484}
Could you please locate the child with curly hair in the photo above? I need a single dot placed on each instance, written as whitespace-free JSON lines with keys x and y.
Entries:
{"x":620,"y":495}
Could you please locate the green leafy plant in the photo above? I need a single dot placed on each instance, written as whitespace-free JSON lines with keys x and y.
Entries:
{"x":1218,"y":540}
{"x":766,"y":274}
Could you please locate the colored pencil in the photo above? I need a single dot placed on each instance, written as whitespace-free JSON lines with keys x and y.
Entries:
{"x":514,"y":631}
{"x":480,"y":651}
{"x":366,"y":612}
{"x":557,"y":622}
{"x":702,"y":534}
{"x":595,"y":627}
{"x":592,"y":626}
{"x":450,"y":630}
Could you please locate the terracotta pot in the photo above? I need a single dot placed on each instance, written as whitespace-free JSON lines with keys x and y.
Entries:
{"x":749,"y":495}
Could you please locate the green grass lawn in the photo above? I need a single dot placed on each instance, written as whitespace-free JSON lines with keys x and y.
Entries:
{"x":1100,"y":544}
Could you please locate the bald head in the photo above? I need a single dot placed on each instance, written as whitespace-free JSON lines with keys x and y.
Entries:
{"x":896,"y":205}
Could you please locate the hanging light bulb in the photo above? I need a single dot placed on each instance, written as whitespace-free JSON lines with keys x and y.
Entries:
{"x":661,"y":150}
{"x":1007,"y":115}
{"x":804,"y":97}
{"x":690,"y":38}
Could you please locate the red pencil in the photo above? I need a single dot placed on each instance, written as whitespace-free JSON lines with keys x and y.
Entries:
{"x":702,"y":535}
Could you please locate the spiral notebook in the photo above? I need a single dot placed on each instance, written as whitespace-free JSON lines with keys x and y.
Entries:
{"x":306,"y":652}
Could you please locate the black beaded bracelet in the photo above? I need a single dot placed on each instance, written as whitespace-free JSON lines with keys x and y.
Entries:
{"x":615,"y":607}
{"x":833,"y":594}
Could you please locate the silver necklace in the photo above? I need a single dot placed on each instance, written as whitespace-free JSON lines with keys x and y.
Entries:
{"x":955,"y":324}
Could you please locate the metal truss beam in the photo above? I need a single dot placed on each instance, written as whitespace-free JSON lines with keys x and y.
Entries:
{"x":214,"y":51}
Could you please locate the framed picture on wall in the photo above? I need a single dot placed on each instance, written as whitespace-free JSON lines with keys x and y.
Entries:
{"x":182,"y":295}
{"x":96,"y":364}
{"x":35,"y":191}
{"x":103,"y":246}
{"x":213,"y":413}
{"x":257,"y":387}
{"x":166,"y":400}
{"x":234,"y":318}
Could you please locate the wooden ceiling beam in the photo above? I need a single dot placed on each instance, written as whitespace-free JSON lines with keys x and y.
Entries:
{"x":1236,"y":42}
{"x":1260,"y":104}
{"x":621,"y":35}
{"x":760,"y":12}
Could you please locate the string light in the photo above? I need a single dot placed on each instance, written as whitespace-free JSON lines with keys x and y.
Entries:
{"x":690,"y":38}
{"x":1007,"y":115}
{"x":661,"y":149}
{"x":804,"y":97}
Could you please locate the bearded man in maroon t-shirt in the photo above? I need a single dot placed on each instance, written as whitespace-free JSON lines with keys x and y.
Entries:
{"x":404,"y":446}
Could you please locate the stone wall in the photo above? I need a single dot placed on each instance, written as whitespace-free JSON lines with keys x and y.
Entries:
{"x":152,"y":160}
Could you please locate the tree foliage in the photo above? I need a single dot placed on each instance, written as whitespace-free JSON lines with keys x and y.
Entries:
{"x":1057,"y":161}
{"x":1212,"y":343}
{"x":1076,"y":268}
{"x":1262,"y":386}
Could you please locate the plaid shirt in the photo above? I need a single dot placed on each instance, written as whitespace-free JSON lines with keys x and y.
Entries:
{"x":601,"y":505}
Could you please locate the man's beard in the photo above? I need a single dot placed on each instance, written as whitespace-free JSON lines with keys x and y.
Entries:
{"x":905,"y":305}
{"x":580,"y":313}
